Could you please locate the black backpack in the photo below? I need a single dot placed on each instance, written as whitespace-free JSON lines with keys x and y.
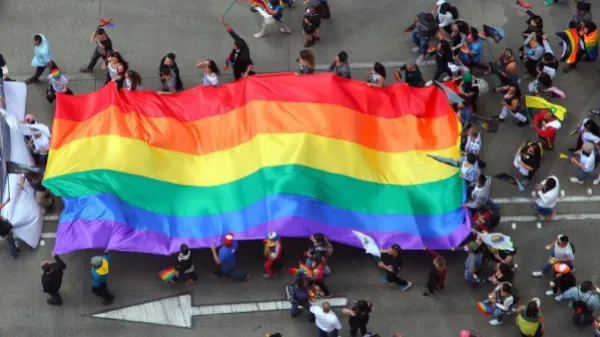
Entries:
{"x":581,"y":307}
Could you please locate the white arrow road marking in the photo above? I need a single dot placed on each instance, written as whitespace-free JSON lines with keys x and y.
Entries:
{"x":178,"y":311}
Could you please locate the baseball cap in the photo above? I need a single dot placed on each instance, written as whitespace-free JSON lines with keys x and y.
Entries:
{"x":228,"y":240}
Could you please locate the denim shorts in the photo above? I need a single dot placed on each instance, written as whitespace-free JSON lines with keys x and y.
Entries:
{"x":543,"y":210}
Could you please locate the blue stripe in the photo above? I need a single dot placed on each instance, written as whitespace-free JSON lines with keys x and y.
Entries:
{"x":110,"y":207}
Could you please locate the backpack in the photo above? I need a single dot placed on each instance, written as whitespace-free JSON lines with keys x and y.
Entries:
{"x":581,"y":307}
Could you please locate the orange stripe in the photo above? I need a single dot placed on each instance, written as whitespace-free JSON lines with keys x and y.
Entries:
{"x":225,"y":131}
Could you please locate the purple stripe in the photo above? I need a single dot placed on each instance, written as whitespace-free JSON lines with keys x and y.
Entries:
{"x":103,"y":234}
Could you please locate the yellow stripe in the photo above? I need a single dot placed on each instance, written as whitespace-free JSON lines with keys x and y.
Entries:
{"x":326,"y":154}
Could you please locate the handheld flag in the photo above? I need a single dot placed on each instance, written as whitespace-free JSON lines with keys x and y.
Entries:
{"x":497,"y":241}
{"x":590,"y":42}
{"x":397,"y":76}
{"x":524,"y":4}
{"x":452,"y":96}
{"x":571,"y":45}
{"x":540,"y":103}
{"x":410,"y":28}
{"x":302,"y":269}
{"x":447,"y":161}
{"x":485,"y":308}
{"x":106,"y":23}
{"x":507,"y":178}
{"x":368,"y":244}
{"x":564,"y":156}
{"x":167,"y":274}
{"x":16,"y":168}
{"x":229,"y":8}
{"x":496,"y":33}
{"x":491,"y":125}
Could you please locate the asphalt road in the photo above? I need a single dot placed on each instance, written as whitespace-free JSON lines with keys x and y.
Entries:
{"x":370,"y":31}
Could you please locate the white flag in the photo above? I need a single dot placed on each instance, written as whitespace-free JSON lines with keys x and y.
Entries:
{"x":368,"y":244}
{"x":497,"y":241}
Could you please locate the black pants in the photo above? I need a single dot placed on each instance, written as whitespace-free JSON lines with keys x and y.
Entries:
{"x":51,"y":94}
{"x":531,"y":66}
{"x":441,"y":70}
{"x":55,"y":299}
{"x":355,"y":327}
{"x":40,"y":70}
{"x":393,"y":278}
{"x":323,"y":287}
{"x":102,"y":291}
{"x":95,"y":57}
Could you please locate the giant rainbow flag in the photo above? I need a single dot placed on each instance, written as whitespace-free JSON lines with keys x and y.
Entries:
{"x":293,"y":154}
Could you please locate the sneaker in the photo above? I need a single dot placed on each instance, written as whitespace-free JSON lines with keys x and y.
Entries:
{"x":86,"y":70}
{"x":495,"y":322}
{"x":550,"y":293}
{"x":259,"y":35}
{"x":594,"y":113}
{"x":558,"y":298}
{"x":267,"y":276}
{"x":285,"y":31}
{"x":31,"y":80}
{"x":383,"y":279}
{"x":406,"y":287}
{"x":596,"y":181}
{"x":522,"y":124}
{"x":491,"y":278}
{"x":576,"y":180}
{"x":537,"y":274}
{"x":427,"y":294}
{"x":416,"y":49}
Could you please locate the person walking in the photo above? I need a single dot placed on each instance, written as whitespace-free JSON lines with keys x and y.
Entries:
{"x":57,"y":84}
{"x":437,"y":274}
{"x":327,"y":322}
{"x":225,"y":259}
{"x":298,"y":295}
{"x":273,"y":253}
{"x":585,"y":160}
{"x":42,"y":58}
{"x":584,"y":300}
{"x":169,"y":61}
{"x":561,"y":251}
{"x":6,"y":233}
{"x":272,"y":14}
{"x":52,"y":279}
{"x":563,"y":281}
{"x":530,"y":319}
{"x":100,"y":272}
{"x":391,"y":263}
{"x":239,"y":57}
{"x":4,"y":69}
{"x":133,"y":81}
{"x":116,"y":67}
{"x":359,"y":317}
{"x":340,"y":65}
{"x":103,"y":49}
{"x":311,"y":23}
{"x":546,"y":197}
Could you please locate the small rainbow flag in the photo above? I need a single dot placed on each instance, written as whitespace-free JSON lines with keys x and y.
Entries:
{"x":524,"y":4}
{"x":55,"y":73}
{"x":482,"y":36}
{"x":302,"y":269}
{"x":106,"y":23}
{"x":167,"y":274}
{"x":465,"y":50}
{"x":485,"y":308}
{"x":431,"y":50}
{"x":397,"y":76}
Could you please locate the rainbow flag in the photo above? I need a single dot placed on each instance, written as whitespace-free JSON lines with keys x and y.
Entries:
{"x":590,"y":40}
{"x":302,"y":269}
{"x":106,"y":23}
{"x":145,"y":173}
{"x":431,"y":50}
{"x":571,"y":45}
{"x":167,"y":274}
{"x":482,"y":36}
{"x":485,"y":308}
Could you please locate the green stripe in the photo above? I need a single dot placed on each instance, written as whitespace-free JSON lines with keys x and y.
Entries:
{"x":336,"y":190}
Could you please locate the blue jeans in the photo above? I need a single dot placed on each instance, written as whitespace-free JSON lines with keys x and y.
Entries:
{"x":420,"y":42}
{"x":465,"y":114}
{"x":469,"y":277}
{"x":234,"y":274}
{"x":322,"y":333}
{"x":583,"y":176}
{"x":548,"y":266}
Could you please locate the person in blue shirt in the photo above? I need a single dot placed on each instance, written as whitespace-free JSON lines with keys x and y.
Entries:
{"x":474,"y":57}
{"x":225,"y":259}
{"x":584,"y":301}
{"x":271,"y":14}
{"x":100,"y":271}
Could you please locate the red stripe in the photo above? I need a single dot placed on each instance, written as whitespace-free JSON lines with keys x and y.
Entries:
{"x":200,"y":102}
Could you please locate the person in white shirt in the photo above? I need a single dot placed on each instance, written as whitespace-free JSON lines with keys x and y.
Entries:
{"x":326,"y":320}
{"x":500,"y":302}
{"x":211,"y":73}
{"x":561,"y":251}
{"x":446,"y":15}
{"x":546,"y":196}
{"x":57,"y":83}
{"x":585,"y":160}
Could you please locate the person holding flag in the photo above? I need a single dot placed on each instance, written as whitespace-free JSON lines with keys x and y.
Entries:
{"x":391,"y":262}
{"x":273,"y":254}
{"x":272,"y":12}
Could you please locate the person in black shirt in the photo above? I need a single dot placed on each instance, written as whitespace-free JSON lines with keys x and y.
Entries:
{"x":359,"y":317}
{"x":240,"y":54}
{"x":185,"y":266}
{"x":169,"y":61}
{"x":42,"y":196}
{"x":104,"y":49}
{"x":4,"y":69}
{"x":391,"y":262}
{"x":52,"y":279}
{"x":311,"y":24}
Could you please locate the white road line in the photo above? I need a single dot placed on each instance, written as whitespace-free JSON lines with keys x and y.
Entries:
{"x":570,"y":199}
{"x":49,"y":235}
{"x":558,"y":217}
{"x":320,"y":67}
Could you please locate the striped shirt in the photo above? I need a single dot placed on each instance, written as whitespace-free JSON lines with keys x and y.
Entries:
{"x":470,"y":172}
{"x":565,"y":252}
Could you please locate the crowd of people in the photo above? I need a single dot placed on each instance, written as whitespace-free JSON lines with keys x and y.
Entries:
{"x":458,"y":50}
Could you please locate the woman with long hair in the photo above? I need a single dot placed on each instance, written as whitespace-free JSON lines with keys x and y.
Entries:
{"x":511,"y":103}
{"x":306,"y":58}
{"x":505,"y":66}
{"x":446,"y":14}
{"x":502,"y":273}
{"x":376,"y":76}
{"x":530,"y":319}
{"x":116,"y":67}
{"x":443,"y":57}
{"x":589,"y":131}
{"x":133,"y":81}
{"x":359,"y":317}
{"x":528,"y":160}
{"x":211,"y":73}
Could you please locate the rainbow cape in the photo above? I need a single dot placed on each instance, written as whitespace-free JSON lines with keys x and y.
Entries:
{"x":145,"y":173}
{"x":571,"y":45}
{"x":590,"y":40}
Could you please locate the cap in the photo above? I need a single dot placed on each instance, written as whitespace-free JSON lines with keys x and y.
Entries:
{"x":273,"y":236}
{"x":467,"y":77}
{"x":55,"y":73}
{"x":228,"y":240}
{"x":96,"y":261}
{"x":588,"y":147}
{"x":562,"y":268}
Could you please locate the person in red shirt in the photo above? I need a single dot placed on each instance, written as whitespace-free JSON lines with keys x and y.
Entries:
{"x":318,"y":274}
{"x":437,"y":275}
{"x":546,"y":125}
{"x":273,"y":254}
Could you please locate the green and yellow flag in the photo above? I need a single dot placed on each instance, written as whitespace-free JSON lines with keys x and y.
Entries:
{"x":540,"y":103}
